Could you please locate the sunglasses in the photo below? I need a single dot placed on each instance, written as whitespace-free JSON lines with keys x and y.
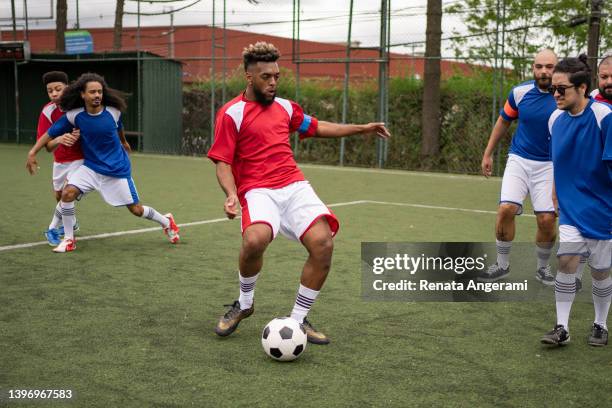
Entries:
{"x":561,"y":89}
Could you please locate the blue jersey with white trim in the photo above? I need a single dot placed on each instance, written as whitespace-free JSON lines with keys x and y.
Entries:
{"x":582,"y":160}
{"x":102,"y":148}
{"x":532,"y":107}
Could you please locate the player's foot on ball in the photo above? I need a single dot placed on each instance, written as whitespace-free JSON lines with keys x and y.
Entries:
{"x":558,"y":336}
{"x":67,"y":245}
{"x":312,"y":335}
{"x":173,"y":230}
{"x":493,"y":274}
{"x":545,"y":275}
{"x":230,"y":320}
{"x":53,"y":237}
{"x":598,"y":336}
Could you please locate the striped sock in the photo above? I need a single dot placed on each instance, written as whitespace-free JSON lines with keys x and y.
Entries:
{"x":581,"y":266}
{"x":57,"y":217}
{"x":602,"y":295}
{"x":303,"y":302}
{"x":151,"y":214}
{"x":503,"y":253}
{"x":543,"y":254}
{"x":247,"y":291}
{"x":565,"y":292}
{"x":68,"y":218}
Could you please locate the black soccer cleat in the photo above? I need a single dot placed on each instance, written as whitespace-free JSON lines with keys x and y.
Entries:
{"x":493,"y":274}
{"x":230,"y":320}
{"x":312,"y":335}
{"x":598,"y":336}
{"x":545,"y":276}
{"x":557,"y":336}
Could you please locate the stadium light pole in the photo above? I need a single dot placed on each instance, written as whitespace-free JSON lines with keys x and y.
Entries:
{"x":14,"y":20}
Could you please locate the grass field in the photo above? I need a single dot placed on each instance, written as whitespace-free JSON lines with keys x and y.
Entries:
{"x":127,"y":321}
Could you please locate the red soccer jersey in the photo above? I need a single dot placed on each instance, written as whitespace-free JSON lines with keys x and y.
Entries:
{"x":62,"y":154}
{"x":596,"y":95}
{"x":254,"y":139}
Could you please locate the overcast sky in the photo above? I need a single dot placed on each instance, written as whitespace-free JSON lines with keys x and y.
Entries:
{"x":322,"y":20}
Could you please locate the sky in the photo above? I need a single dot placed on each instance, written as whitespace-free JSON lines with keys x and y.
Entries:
{"x":321,"y":20}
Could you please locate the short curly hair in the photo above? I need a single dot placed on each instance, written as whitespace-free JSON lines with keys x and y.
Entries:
{"x":259,"y":52}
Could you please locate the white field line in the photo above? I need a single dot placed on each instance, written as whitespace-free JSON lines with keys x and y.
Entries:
{"x":217,"y":220}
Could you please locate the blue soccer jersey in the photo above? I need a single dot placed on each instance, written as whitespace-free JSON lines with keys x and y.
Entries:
{"x":582,"y":160}
{"x":532,"y":107}
{"x":100,"y":141}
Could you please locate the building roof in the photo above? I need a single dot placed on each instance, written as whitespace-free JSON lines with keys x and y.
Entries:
{"x":193,"y":46}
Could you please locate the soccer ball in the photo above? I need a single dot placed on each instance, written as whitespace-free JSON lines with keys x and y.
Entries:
{"x":283,"y":339}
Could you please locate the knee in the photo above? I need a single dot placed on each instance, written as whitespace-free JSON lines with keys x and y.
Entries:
{"x":137,"y":210}
{"x":69,"y":194}
{"x":253,"y":246}
{"x":546,"y":223}
{"x":322,"y":249}
{"x":507,"y":211}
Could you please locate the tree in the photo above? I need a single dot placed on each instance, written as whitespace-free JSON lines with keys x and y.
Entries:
{"x":118,"y":25}
{"x":430,"y":145}
{"x":525,"y":25}
{"x":61,"y":25}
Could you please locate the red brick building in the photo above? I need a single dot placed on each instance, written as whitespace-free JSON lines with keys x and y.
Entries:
{"x":193,"y":42}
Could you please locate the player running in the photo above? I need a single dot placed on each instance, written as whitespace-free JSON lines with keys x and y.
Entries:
{"x":95,"y":110}
{"x":256,"y":169}
{"x":528,"y":169}
{"x":66,"y":159}
{"x":581,"y":134}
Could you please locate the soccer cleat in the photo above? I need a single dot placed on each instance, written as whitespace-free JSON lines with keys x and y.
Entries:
{"x":53,"y":237}
{"x":558,"y":336}
{"x":173,"y":230}
{"x":493,"y":274}
{"x":67,"y":245}
{"x":545,"y":275}
{"x":230,"y":320}
{"x":312,"y":335}
{"x":598,"y":337}
{"x":578,"y":285}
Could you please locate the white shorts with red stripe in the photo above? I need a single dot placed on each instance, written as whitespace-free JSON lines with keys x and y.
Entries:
{"x":290,"y":210}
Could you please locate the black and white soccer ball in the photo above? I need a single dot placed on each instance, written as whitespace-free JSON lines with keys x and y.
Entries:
{"x":284,"y":339}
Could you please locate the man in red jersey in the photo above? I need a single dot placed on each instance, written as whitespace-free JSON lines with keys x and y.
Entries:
{"x":66,"y":159}
{"x":604,"y":81}
{"x":256,"y":169}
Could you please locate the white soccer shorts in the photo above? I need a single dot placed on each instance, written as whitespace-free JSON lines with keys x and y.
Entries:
{"x":290,"y":210}
{"x":115,"y":191}
{"x":571,"y":242}
{"x":522,"y":177}
{"x":61,"y":172}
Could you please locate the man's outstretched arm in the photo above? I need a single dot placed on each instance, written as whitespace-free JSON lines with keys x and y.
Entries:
{"x":330,"y":129}
{"x":228,"y":185}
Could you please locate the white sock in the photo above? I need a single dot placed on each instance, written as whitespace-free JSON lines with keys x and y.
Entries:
{"x":247,"y":291}
{"x":543,"y":254}
{"x":581,"y":266}
{"x":68,"y":218}
{"x":57,"y":217}
{"x":303,"y":302}
{"x":565,"y":292}
{"x":602,"y":294}
{"x":151,"y":214}
{"x":503,"y":253}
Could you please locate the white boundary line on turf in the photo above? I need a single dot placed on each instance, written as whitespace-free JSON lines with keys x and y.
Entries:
{"x":216,"y":220}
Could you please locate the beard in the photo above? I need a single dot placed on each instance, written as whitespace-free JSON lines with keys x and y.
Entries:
{"x":606,"y":92}
{"x":262,"y":98}
{"x":544,"y":82}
